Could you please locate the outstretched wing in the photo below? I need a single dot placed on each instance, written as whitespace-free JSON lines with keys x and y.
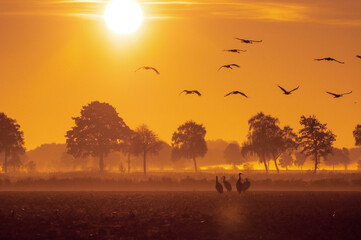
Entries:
{"x":240,"y":39}
{"x":282,"y":89}
{"x":346,"y":93}
{"x":319,"y":59}
{"x":183,"y":92}
{"x":220,"y":68}
{"x":236,"y":65}
{"x":196,"y":92}
{"x":295,"y":89}
{"x":243,"y":94}
{"x":154,"y":69}
{"x":139,"y":69}
{"x":358,"y":56}
{"x":338,"y":61}
{"x":256,"y":40}
{"x":334,"y":94}
{"x":229,"y":94}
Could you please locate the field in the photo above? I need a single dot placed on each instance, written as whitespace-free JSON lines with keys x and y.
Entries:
{"x":180,"y":215}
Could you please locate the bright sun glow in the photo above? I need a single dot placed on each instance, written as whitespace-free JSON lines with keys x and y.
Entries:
{"x":123,"y":16}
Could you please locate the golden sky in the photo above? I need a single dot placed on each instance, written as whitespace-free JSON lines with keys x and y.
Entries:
{"x":57,"y":56}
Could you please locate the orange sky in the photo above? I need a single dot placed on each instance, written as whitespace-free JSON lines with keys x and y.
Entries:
{"x":57,"y":56}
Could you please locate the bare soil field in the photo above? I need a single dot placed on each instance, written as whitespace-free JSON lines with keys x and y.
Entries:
{"x":180,"y":215}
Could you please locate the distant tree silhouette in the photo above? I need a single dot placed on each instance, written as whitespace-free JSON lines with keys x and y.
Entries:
{"x":232,"y":154}
{"x":286,"y":160}
{"x":267,"y":140}
{"x":359,"y":165}
{"x":11,"y":139}
{"x":300,"y":159}
{"x":188,"y":142}
{"x":315,"y":139}
{"x":145,"y":142}
{"x":129,"y":146}
{"x":357,"y":135}
{"x":98,"y":131}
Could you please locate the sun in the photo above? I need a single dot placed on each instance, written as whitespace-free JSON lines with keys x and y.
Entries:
{"x":123,"y":16}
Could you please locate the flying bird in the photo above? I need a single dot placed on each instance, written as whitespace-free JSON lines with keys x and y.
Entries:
{"x":234,"y":50}
{"x":191,"y":92}
{"x":328,"y":59}
{"x":358,"y":56}
{"x":219,"y":186}
{"x":239,"y":184}
{"x":335,"y":95}
{"x":246,"y":185}
{"x":236,"y":92}
{"x":287,"y":92}
{"x":248,"y":40}
{"x":229,"y":66}
{"x":148,"y":68}
{"x":226,"y":184}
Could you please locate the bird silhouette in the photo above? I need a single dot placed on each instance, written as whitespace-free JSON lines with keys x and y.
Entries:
{"x":148,"y":68}
{"x":234,"y":50}
{"x":335,"y":95}
{"x":226,"y":184}
{"x":229,"y":66}
{"x":191,"y":92}
{"x":236,"y":92}
{"x":328,"y":59}
{"x":287,"y":92}
{"x":358,"y":56}
{"x":248,"y":40}
{"x":219,"y":186}
{"x":246,"y":185}
{"x":239,"y":184}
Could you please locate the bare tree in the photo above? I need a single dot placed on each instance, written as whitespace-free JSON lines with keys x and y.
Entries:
{"x":315,"y":139}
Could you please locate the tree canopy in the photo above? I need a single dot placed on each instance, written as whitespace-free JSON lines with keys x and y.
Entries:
{"x":98,"y":131}
{"x":232,"y":154}
{"x":357,"y":135}
{"x":11,"y":139}
{"x":315,"y":139}
{"x":188,"y":141}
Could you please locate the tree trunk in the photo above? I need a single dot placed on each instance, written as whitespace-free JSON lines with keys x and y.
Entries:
{"x":278,"y":170}
{"x":145,"y":162}
{"x":128,"y":163}
{"x":265,"y":164}
{"x":316,"y":163}
{"x":101,"y":162}
{"x":5,"y":166}
{"x":195,"y":164}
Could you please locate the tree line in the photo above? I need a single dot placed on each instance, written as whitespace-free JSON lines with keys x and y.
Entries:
{"x":99,"y":131}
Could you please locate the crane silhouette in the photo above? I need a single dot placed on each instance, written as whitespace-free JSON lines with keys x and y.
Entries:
{"x":148,"y":68}
{"x":191,"y":92}
{"x":287,"y":92}
{"x":236,"y":92}
{"x":234,"y":50}
{"x":246,"y":185}
{"x":219,"y":186}
{"x":226,"y":184}
{"x":328,"y":59}
{"x":239,"y":184}
{"x":248,"y":40}
{"x":358,"y":56}
{"x":335,"y":95}
{"x":229,"y":66}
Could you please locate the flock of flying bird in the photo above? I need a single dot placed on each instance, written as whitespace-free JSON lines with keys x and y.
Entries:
{"x":233,"y":65}
{"x":241,"y":186}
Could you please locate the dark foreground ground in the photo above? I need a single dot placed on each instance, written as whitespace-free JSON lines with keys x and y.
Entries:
{"x":180,"y":215}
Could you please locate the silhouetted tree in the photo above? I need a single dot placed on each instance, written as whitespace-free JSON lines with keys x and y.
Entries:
{"x":188,"y":142}
{"x":232,"y":154}
{"x":11,"y":138}
{"x":97,"y":132}
{"x":300,"y":159}
{"x":146,"y":142}
{"x":267,"y":140}
{"x":315,"y":139}
{"x":286,"y":160}
{"x":129,"y":146}
{"x":334,"y":158}
{"x":357,"y":135}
